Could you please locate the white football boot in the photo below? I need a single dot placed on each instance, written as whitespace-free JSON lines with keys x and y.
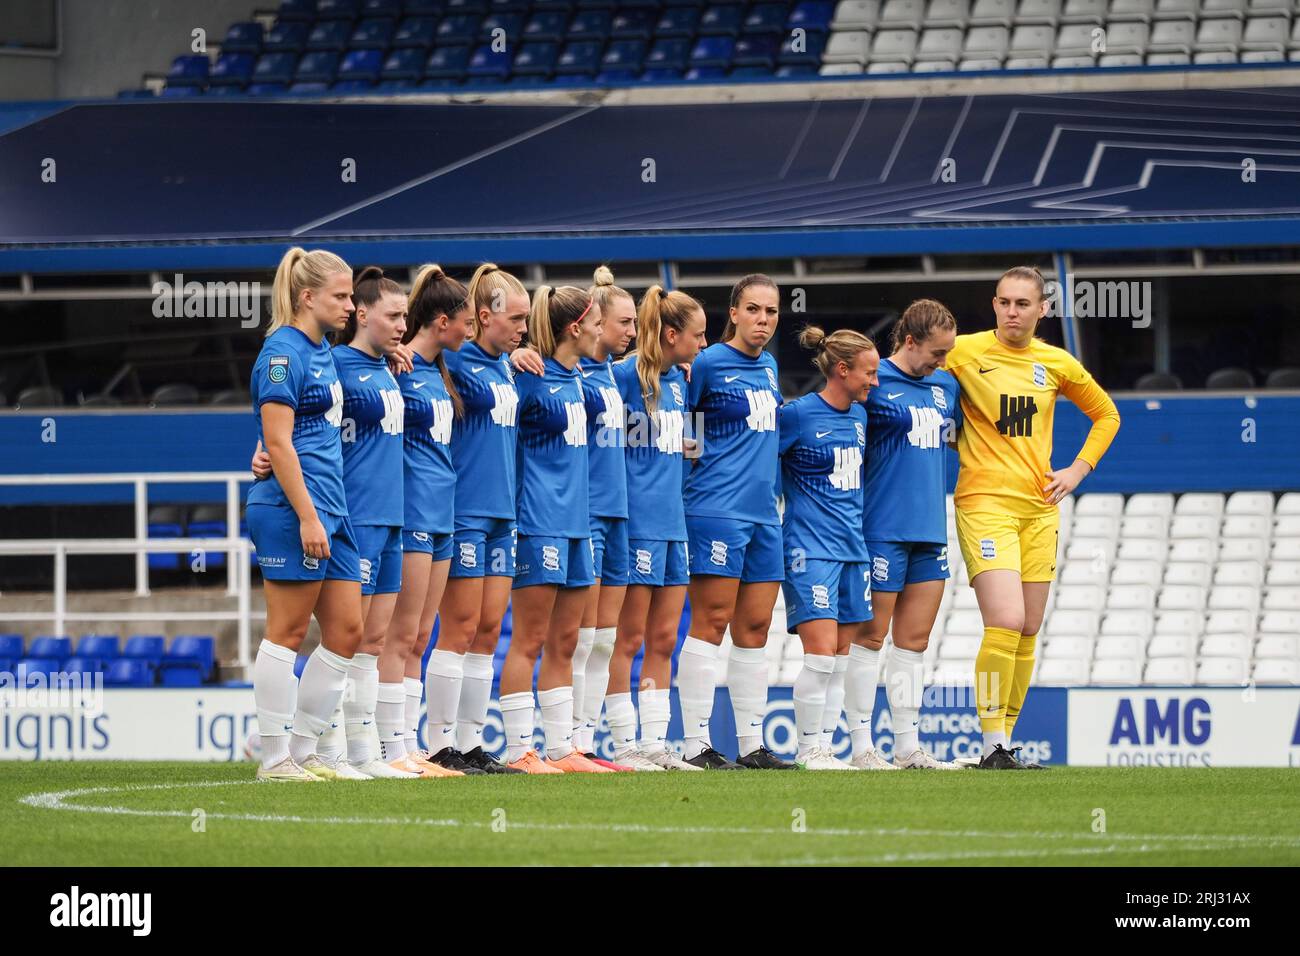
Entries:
{"x":669,"y":759}
{"x":819,"y":758}
{"x":920,"y":760}
{"x":637,"y":761}
{"x":286,"y":771}
{"x":871,"y":760}
{"x":378,"y":770}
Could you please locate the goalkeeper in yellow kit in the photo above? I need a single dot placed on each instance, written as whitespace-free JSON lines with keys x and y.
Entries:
{"x":1007,"y":494}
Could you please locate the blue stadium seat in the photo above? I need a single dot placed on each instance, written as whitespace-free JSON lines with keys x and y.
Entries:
{"x":104,"y":647}
{"x":299,"y":663}
{"x":678,"y":22}
{"x":145,"y":647}
{"x":590,"y":25}
{"x":528,"y":79}
{"x":458,"y":29}
{"x":182,"y":91}
{"x":357,"y":65}
{"x":755,"y":51}
{"x":512,"y":25}
{"x":660,"y":75}
{"x":404,"y":65}
{"x":814,"y":45}
{"x":381,"y":8}
{"x":47,"y":647}
{"x":129,"y":672}
{"x":446,"y":62}
{"x":337,"y":9}
{"x":749,"y":72}
{"x":243,"y":37}
{"x":226,"y":90}
{"x":209,"y":521}
{"x":11,"y":646}
{"x":812,"y":15}
{"x":617,"y":77}
{"x":520,"y":7}
{"x":579,"y":57}
{"x":766,"y":18}
{"x":546,"y":27}
{"x":632,"y":25}
{"x":371,"y":35}
{"x":682,"y":3}
{"x":485,"y":81}
{"x":422,"y":8}
{"x":30,"y":666}
{"x":329,"y":35}
{"x":136,"y":95}
{"x":297,"y":9}
{"x":597,"y":4}
{"x":188,"y":71}
{"x":286,"y":38}
{"x":308,"y":88}
{"x":722,"y":20}
{"x":84,"y":665}
{"x":484,"y":61}
{"x":554,"y":6}
{"x":266,"y":89}
{"x":396,"y":86}
{"x":455,"y":8}
{"x":649,"y":5}
{"x":669,"y":54}
{"x":625,"y":55}
{"x":353,"y":86}
{"x":232,"y":69}
{"x":536,"y":59}
{"x":165,"y":521}
{"x":9,"y":665}
{"x":416,"y":32}
{"x":796,"y":71}
{"x":712,"y":51}
{"x":706,"y":73}
{"x":192,"y":649}
{"x":317,"y":67}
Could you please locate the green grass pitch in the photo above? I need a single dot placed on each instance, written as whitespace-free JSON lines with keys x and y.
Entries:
{"x":109,"y":813}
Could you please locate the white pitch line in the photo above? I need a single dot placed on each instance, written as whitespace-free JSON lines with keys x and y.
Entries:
{"x":58,"y":800}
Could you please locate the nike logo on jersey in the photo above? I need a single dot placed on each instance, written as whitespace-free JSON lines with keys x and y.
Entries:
{"x":477,"y":368}
{"x":419,"y":384}
{"x":993,"y":369}
{"x":894,"y":395}
{"x":362,"y":378}
{"x":556,"y":389}
{"x":730,"y":378}
{"x":317,"y":373}
{"x":822,"y":434}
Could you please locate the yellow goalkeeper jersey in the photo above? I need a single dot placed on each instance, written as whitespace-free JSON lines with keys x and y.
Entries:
{"x":1008,"y":400}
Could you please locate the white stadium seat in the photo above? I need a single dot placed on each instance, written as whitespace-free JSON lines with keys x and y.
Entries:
{"x":1145,"y":526}
{"x":898,"y":67}
{"x":1172,"y":645}
{"x":1116,"y":671}
{"x":1227,"y":597}
{"x":1090,"y":549}
{"x":1239,"y":572}
{"x":1105,"y":527}
{"x":848,"y":47}
{"x":1226,"y":645}
{"x":1286,"y":647}
{"x":934,"y":66}
{"x":1251,"y":502}
{"x":1201,"y":503}
{"x":1123,"y":647}
{"x":965,"y":623}
{"x":987,"y":41}
{"x":1282,"y":599}
{"x":1046,"y":12}
{"x":955,"y":673}
{"x":896,"y":13}
{"x":893,"y":46}
{"x":1194,"y":526}
{"x":1189,"y":572}
{"x":1132,"y":10}
{"x":1243,"y":549}
{"x":1029,"y":40}
{"x":840,"y":69}
{"x":1119,"y":59}
{"x":1142,"y":549}
{"x":992,"y":63}
{"x":1124,"y":623}
{"x":1247,"y":526}
{"x":1168,"y":59}
{"x":1262,"y":56}
{"x":1103,"y":505}
{"x":959,"y":648}
{"x":856,"y":15}
{"x":1128,"y":37}
{"x":1075,"y":39}
{"x":1063,"y":673}
{"x":1149,"y":504}
{"x":1284,"y":574}
{"x":992,"y":13}
{"x":1221,"y":670}
{"x":944,"y":42}
{"x":1223,"y":8}
{"x":1073,"y":623}
{"x":1286,"y":549}
{"x":1180,"y":622}
{"x":1233,"y":621}
{"x":1178,"y":671}
{"x":1083,"y":572}
{"x":1131,"y":597}
{"x":1287,"y":526}
{"x":1200,"y":550}
{"x":947,"y":13}
{"x":1079,"y":597}
{"x":1280,"y":622}
{"x":1277,"y":672}
{"x":1084,"y":11}
{"x":1182,"y":597}
{"x":1176,"y":9}
{"x":1136,"y":572}
{"x":1289,"y":503}
{"x":1069,"y":646}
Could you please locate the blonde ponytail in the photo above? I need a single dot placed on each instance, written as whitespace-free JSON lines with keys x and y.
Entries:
{"x":300,"y":270}
{"x":488,"y":288}
{"x":658,"y":310}
{"x":553,"y":310}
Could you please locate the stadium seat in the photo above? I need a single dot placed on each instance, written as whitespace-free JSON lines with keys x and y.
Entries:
{"x":1230,"y":598}
{"x":145,"y":647}
{"x":993,"y":13}
{"x":361,"y":65}
{"x":1128,"y":623}
{"x":417,"y":33}
{"x":274,"y":68}
{"x":189,"y":70}
{"x":536,"y":58}
{"x":1250,"y":503}
{"x":104,"y":647}
{"x":1084,"y":11}
{"x":893,"y":46}
{"x":1115,"y":671}
{"x":1221,"y":670}
{"x":1283,"y":574}
{"x":407,"y":64}
{"x":633,"y":25}
{"x":1247,"y":573}
{"x":1142,"y":549}
{"x":1063,"y":673}
{"x":808,"y":55}
{"x":1189,"y":623}
{"x":1102,"y":550}
{"x":1177,"y":671}
{"x":381,"y":8}
{"x":1287,"y":526}
{"x":446,"y":62}
{"x":959,"y":647}
{"x":87,"y":667}
{"x":755,"y":51}
{"x":1098,"y":505}
{"x":840,"y":69}
{"x":1231,"y":621}
{"x":1281,"y":377}
{"x":1076,"y":39}
{"x":232,"y":69}
{"x":129,"y":672}
{"x":1128,"y":647}
{"x":11,"y":647}
{"x":1215,"y":36}
{"x":939,"y":43}
{"x":1189,"y":573}
{"x":455,"y":30}
{"x":590,"y":25}
{"x":848,"y":47}
{"x":1149,"y":505}
{"x":768,"y":19}
{"x":669,"y":54}
{"x":721,"y":20}
{"x":1071,"y":646}
{"x":902,"y":13}
{"x":1228,"y":378}
{"x":486,"y":62}
{"x":1144,"y":526}
{"x":1282,"y":599}
{"x":1266,"y":34}
{"x":1276,"y":671}
{"x":329,"y":36}
{"x":266,"y":89}
{"x":1079,"y":597}
{"x":1121,"y":10}
{"x":1136,"y":572}
{"x":964,"y":623}
{"x":1197,"y":550}
{"x":713,"y":51}
{"x":1200,"y":526}
{"x":1244,"y":549}
{"x":1285,"y":549}
{"x":991,"y":41}
{"x":290,"y":37}
{"x":1068,"y":623}
{"x":1172,"y":36}
{"x":812,"y":15}
{"x":47,"y":647}
{"x":947,"y":13}
{"x":1235,"y":9}
{"x":1226,"y":645}
{"x":243,"y":37}
{"x":372,"y":35}
{"x":579,"y":57}
{"x":991,"y":63}
{"x":1286,"y":646}
{"x":337,"y":9}
{"x":1176,"y":9}
{"x":1083,"y":572}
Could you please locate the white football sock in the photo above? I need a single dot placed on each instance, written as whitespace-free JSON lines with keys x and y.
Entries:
{"x":834,"y":702}
{"x":319,"y":691}
{"x":557,"y":720}
{"x":747,"y":684}
{"x":361,"y":692}
{"x":621,"y":716}
{"x":654,"y":719}
{"x":390,"y":718}
{"x":905,"y":692}
{"x":595,"y":683}
{"x":275,"y":695}
{"x":518,"y":720}
{"x":810,"y":700}
{"x":697,"y":680}
{"x":475,"y":695}
{"x":414,"y":689}
{"x":442,"y":680}
{"x":860,"y":695}
{"x":586,"y":637}
{"x":995,"y":739}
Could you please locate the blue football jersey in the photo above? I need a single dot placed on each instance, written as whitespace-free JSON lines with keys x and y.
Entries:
{"x":654,"y":455}
{"x":821,"y":476}
{"x":295,"y":371}
{"x":371,"y":435}
{"x":429,"y":478}
{"x":906,"y":454}
{"x":551,"y":486}
{"x":606,"y":473}
{"x":483,"y":438}
{"x":737,"y":397}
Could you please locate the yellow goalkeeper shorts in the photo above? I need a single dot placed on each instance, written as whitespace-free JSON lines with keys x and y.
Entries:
{"x":992,"y":541}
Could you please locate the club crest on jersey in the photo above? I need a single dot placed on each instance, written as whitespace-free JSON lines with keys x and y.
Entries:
{"x":821,"y":597}
{"x":988,"y":550}
{"x":718,"y":553}
{"x":880,"y":569}
{"x":310,"y":563}
{"x":643,"y":561}
{"x":1040,"y":375}
{"x":278,"y":368}
{"x":771,"y":377}
{"x":862,"y":433}
{"x":468,"y":555}
{"x":940,"y":400}
{"x":676,"y":389}
{"x":365,"y":570}
{"x":550,"y":557}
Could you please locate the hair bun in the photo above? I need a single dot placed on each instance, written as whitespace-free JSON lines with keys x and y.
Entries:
{"x":812,"y":337}
{"x":603,"y":276}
